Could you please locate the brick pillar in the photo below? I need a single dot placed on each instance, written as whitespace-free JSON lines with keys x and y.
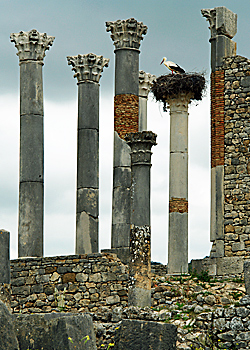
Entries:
{"x":223,"y":27}
{"x":140,"y":232}
{"x":31,"y":48}
{"x":88,"y":69}
{"x":127,"y":35}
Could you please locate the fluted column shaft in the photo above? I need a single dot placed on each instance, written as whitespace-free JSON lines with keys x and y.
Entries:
{"x":178,"y":185}
{"x":126,"y":35}
{"x":140,"y":229}
{"x":31,"y":51}
{"x":88,"y":70}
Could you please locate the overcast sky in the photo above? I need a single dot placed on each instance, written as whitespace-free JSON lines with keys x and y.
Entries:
{"x":176,"y":30}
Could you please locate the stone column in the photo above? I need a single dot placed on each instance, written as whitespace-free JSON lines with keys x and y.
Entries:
{"x":223,"y":27}
{"x":127,"y":35}
{"x":31,"y":48}
{"x":88,"y":69}
{"x":145,"y":83}
{"x":140,"y":230}
{"x":178,"y":185}
{"x":5,"y":292}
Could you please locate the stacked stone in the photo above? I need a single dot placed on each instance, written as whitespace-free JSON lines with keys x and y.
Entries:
{"x":127,"y":36}
{"x":75,"y":283}
{"x":31,"y":48}
{"x":88,"y":69}
{"x":237,"y":156}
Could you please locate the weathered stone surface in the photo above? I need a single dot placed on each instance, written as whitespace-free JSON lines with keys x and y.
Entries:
{"x":142,"y":335}
{"x":4,"y":256}
{"x":54,"y":330}
{"x":8,"y":339}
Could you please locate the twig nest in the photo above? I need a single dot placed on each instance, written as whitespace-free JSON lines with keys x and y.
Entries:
{"x":170,"y":86}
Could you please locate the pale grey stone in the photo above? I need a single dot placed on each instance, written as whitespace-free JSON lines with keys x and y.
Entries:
{"x":236,"y":324}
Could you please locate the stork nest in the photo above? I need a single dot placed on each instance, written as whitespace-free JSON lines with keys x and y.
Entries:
{"x":169,"y":86}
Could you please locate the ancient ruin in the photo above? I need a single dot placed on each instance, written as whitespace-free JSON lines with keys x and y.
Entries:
{"x":118,"y":298}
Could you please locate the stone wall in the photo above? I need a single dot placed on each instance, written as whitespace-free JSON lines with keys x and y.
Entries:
{"x":75,"y":283}
{"x":237,"y":157}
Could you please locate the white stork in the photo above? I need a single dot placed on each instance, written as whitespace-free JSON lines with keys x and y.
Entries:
{"x":172,"y":66}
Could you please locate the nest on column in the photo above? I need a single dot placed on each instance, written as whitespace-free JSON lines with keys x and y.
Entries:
{"x":169,"y":86}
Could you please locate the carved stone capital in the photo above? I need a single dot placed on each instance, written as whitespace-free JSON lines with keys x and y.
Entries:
{"x":126,"y":33}
{"x":179,"y":103}
{"x":88,"y":66}
{"x":222,"y":21}
{"x":31,"y":45}
{"x":145,"y":83}
{"x":141,"y":143}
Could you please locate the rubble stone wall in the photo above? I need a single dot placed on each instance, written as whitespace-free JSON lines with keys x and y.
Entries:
{"x":74,"y":283}
{"x":237,"y":156}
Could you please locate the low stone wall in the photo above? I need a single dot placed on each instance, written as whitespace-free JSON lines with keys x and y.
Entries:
{"x":74,"y":283}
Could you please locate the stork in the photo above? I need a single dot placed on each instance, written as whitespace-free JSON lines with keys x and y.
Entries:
{"x":172,"y":66}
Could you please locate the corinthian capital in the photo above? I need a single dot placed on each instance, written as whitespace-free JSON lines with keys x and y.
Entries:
{"x":222,"y":21}
{"x":88,"y":66}
{"x":31,"y":45}
{"x":145,"y":82}
{"x":126,"y":33}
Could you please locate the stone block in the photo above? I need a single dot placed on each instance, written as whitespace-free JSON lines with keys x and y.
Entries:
{"x":88,"y":106}
{"x":127,"y":64}
{"x":52,"y":331}
{"x":122,"y":176}
{"x":226,"y":21}
{"x":31,"y":148}
{"x":87,"y":240}
{"x":246,"y":268}
{"x":229,"y":265}
{"x":88,"y":159}
{"x":122,"y":252}
{"x":88,"y":201}
{"x":8,"y":339}
{"x":121,"y":152}
{"x":238,"y":246}
{"x":144,"y":335}
{"x":4,"y":256}
{"x":217,"y":203}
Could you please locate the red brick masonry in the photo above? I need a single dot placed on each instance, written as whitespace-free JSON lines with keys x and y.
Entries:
{"x":217,"y":118}
{"x":179,"y":205}
{"x":126,"y":114}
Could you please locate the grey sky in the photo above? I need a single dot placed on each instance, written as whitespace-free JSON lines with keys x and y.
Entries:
{"x":176,"y":30}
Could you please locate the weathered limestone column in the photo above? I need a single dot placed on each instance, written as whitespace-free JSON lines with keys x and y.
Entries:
{"x":5,"y":291}
{"x":4,"y":256}
{"x":31,"y":48}
{"x":88,"y":69}
{"x":127,"y":35}
{"x":223,"y":27}
{"x":145,"y":83}
{"x":140,"y":230}
{"x":178,"y":184}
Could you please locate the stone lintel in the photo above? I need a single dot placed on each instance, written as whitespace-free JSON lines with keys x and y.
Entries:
{"x":222,"y":21}
{"x":88,"y":67}
{"x":126,"y":34}
{"x":31,"y":45}
{"x":145,"y":83}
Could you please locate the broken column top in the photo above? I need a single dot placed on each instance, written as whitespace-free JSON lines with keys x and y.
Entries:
{"x":145,"y":83}
{"x":222,"y":21}
{"x":31,"y":45}
{"x":88,"y":67}
{"x":126,"y":34}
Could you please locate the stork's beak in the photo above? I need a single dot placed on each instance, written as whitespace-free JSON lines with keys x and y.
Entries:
{"x":161,"y":61}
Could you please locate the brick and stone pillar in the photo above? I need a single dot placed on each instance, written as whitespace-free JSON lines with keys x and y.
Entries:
{"x":223,"y":27}
{"x":178,"y":184}
{"x":140,"y":229}
{"x":127,"y":35}
{"x":145,"y":83}
{"x":88,"y":69}
{"x":31,"y":48}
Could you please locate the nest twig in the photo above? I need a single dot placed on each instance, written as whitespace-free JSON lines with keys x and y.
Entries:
{"x":168,"y":86}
